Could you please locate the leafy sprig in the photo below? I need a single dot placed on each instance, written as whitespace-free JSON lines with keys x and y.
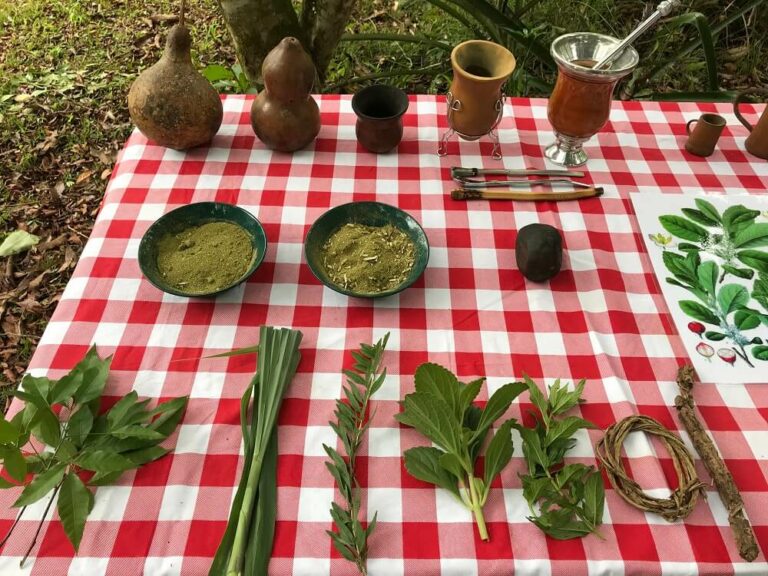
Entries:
{"x":72,"y":435}
{"x":442,"y":409}
{"x":352,"y":421}
{"x":566,"y":501}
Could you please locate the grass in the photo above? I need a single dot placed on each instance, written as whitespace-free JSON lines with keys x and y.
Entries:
{"x":66,"y":66}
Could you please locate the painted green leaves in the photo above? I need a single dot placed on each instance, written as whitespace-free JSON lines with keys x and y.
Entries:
{"x":566,"y":501}
{"x":720,"y":247}
{"x":443,"y":410}
{"x":79,"y":438}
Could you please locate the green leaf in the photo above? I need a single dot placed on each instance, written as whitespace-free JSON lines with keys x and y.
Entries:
{"x":594,"y":498}
{"x":259,"y":547}
{"x":14,"y":462}
{"x":746,"y":320}
{"x":735,"y":215}
{"x":17,"y":242}
{"x":74,"y":504}
{"x":535,"y":488}
{"x":118,"y":412}
{"x":571,"y":473}
{"x":760,"y":352}
{"x":497,"y":405}
{"x":731,"y":297}
{"x":752,"y":236}
{"x":79,"y":425}
{"x":745,"y":273}
{"x":145,"y":455}
{"x":699,"y":217}
{"x":469,"y":392}
{"x":499,"y":452}
{"x":423,"y":463}
{"x":216,"y":73}
{"x":760,"y":291}
{"x":93,"y":372}
{"x":8,"y":432}
{"x":756,"y":259}
{"x":169,"y":414}
{"x":533,"y":451}
{"x":431,"y":416}
{"x":104,"y":461}
{"x":708,"y":209}
{"x":139,"y":432}
{"x":698,"y":312}
{"x":684,"y":228}
{"x":537,"y":396}
{"x":38,"y":388}
{"x":41,"y":485}
{"x":46,"y":426}
{"x":714,"y":336}
{"x":708,"y":273}
{"x":566,"y":400}
{"x":441,"y":383}
{"x":565,"y":428}
{"x":452,"y":463}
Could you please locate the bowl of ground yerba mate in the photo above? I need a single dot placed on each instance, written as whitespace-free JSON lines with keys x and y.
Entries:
{"x":366,"y":249}
{"x":202,"y":249}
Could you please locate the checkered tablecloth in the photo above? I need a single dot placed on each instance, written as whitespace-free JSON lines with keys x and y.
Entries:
{"x":603,"y":318}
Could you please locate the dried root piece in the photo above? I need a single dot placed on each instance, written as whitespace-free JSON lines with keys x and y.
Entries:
{"x":683,"y":498}
{"x":726,"y":487}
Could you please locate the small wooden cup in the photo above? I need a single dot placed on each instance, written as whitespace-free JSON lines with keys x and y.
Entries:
{"x":704,"y":136}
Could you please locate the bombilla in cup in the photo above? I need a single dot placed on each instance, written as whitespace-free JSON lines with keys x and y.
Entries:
{"x":663,"y":9}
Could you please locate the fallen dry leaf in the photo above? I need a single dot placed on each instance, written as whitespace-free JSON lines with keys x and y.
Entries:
{"x":84,"y":177}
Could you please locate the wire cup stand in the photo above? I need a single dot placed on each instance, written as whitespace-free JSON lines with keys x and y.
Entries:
{"x":455,"y":105}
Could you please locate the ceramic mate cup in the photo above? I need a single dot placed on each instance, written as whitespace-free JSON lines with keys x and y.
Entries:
{"x":379,"y":111}
{"x":757,"y":141}
{"x":705,"y":134}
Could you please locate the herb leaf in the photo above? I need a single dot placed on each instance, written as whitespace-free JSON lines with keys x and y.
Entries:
{"x":367,"y":377}
{"x":441,"y":409}
{"x":41,"y":485}
{"x":74,"y":504}
{"x":566,"y":501}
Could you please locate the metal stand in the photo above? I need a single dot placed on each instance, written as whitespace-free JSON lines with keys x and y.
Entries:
{"x":567,"y":151}
{"x":455,"y":105}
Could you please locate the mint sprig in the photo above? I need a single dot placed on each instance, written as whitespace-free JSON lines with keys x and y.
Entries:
{"x":566,"y":500}
{"x":442,"y":409}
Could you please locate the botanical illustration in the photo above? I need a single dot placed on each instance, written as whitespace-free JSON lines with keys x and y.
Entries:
{"x":718,"y":259}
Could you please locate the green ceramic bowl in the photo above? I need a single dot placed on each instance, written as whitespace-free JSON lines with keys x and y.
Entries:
{"x":195,"y":215}
{"x":369,"y":214}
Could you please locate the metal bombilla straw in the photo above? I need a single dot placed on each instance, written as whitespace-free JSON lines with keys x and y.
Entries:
{"x":663,"y":9}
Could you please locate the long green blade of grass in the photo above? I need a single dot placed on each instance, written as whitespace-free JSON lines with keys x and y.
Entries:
{"x":246,"y":546}
{"x":705,"y":34}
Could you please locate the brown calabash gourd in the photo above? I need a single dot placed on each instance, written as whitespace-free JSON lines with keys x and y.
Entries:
{"x":284,"y":115}
{"x":173,"y":104}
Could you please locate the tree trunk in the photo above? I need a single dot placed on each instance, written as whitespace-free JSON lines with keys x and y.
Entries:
{"x":257,"y":26}
{"x":324,"y":22}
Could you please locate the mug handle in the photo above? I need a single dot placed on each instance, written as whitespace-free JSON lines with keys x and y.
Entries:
{"x":741,"y":98}
{"x":688,"y":125}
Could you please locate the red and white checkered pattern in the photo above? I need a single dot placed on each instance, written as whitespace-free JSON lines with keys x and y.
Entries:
{"x":603,"y":318}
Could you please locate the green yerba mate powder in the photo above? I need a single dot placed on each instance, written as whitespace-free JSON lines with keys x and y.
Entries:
{"x":204,"y":258}
{"x":368,"y":259}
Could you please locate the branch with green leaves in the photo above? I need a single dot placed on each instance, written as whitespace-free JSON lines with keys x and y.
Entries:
{"x":442,"y":409}
{"x":61,"y":432}
{"x":566,"y":500}
{"x":352,"y":421}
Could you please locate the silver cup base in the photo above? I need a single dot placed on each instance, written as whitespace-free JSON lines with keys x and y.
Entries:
{"x":567,"y":151}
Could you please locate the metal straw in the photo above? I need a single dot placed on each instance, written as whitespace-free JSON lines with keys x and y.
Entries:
{"x":663,"y":9}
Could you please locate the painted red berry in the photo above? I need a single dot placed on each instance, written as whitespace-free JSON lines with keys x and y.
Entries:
{"x":727,"y":355}
{"x":696,"y":327}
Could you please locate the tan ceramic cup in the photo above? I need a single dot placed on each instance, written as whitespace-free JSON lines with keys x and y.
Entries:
{"x":480,"y":69}
{"x":704,"y":136}
{"x":757,"y":141}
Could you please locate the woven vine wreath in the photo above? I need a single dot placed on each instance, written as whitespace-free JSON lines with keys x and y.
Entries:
{"x":682,"y":500}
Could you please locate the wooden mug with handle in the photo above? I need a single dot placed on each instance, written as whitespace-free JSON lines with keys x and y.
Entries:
{"x":757,"y":141}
